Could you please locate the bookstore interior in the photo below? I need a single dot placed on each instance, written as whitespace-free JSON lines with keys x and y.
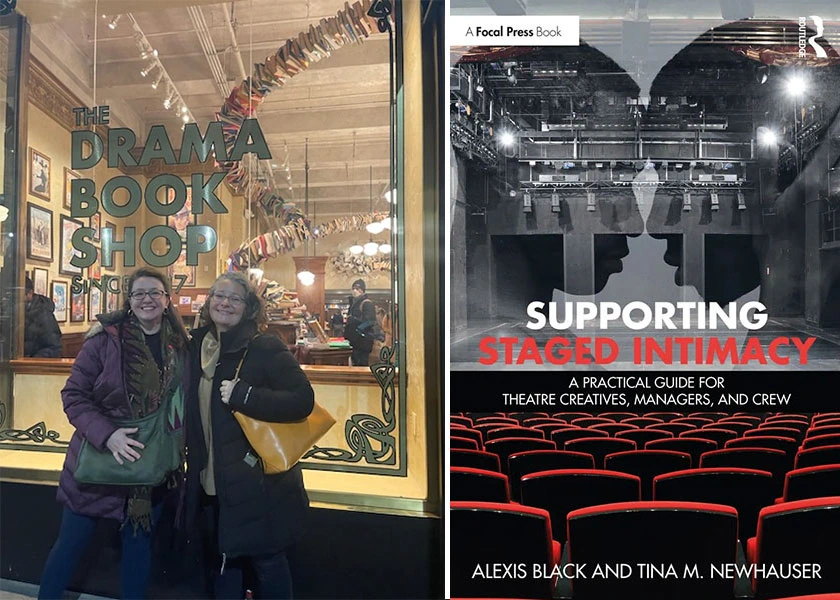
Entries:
{"x":292,"y":140}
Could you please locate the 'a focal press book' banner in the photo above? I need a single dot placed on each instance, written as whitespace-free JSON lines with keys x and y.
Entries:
{"x":645,"y":279}
{"x":514,"y":31}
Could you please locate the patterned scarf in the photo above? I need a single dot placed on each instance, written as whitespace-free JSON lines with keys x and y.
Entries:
{"x":148,"y":389}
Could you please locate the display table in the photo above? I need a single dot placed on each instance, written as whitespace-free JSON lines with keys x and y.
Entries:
{"x":307,"y":355}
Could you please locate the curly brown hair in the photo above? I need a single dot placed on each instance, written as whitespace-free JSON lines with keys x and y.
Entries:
{"x":254,"y":304}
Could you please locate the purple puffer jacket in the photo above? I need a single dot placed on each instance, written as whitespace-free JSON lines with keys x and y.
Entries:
{"x":93,"y":397}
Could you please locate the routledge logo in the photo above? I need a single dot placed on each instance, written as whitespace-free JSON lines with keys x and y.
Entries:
{"x":804,"y":40}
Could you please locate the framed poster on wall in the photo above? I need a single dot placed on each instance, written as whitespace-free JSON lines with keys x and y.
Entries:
{"x":40,"y":239}
{"x":66,"y":250}
{"x":59,"y":298}
{"x":39,"y":280}
{"x":69,"y":176}
{"x":39,"y":174}
{"x":94,"y":303}
{"x":77,"y":307}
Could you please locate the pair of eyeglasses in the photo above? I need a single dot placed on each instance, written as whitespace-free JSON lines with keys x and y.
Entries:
{"x":153,"y":294}
{"x":233,"y":299}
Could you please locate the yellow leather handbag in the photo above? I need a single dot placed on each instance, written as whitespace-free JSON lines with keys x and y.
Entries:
{"x":282,"y":445}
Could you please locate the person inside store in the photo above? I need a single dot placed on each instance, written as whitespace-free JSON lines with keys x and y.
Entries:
{"x":361,"y":328}
{"x":337,"y":324}
{"x":41,"y":333}
{"x":133,"y":363}
{"x":242,"y":516}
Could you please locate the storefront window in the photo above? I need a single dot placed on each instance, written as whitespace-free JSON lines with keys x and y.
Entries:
{"x":282,"y":126}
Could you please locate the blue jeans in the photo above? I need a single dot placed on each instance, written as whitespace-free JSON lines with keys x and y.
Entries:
{"x":74,"y":536}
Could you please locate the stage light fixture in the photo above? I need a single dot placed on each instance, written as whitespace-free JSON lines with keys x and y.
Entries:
{"x":506,"y":139}
{"x":767,"y":136}
{"x":796,"y":85}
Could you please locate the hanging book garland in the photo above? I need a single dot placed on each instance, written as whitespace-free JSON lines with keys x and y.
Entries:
{"x":286,"y":238}
{"x":351,"y":25}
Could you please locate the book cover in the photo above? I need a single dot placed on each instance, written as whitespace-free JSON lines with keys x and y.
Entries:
{"x":644,"y":299}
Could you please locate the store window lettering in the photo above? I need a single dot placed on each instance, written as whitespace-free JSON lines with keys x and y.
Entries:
{"x":121,"y":141}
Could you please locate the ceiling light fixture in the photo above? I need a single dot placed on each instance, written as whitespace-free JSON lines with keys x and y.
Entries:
{"x":371,"y":248}
{"x":114,"y":22}
{"x":162,"y":78}
{"x":306,"y":277}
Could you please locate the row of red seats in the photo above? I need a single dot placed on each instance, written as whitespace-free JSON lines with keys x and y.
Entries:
{"x":659,"y":534}
{"x":562,"y":490}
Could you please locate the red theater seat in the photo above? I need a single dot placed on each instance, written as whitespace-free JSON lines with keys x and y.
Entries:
{"x":718,"y":436}
{"x":788,"y":417}
{"x":613,"y":428}
{"x":507,"y":446}
{"x":812,"y":482}
{"x":785,"y":432}
{"x":822,"y":430}
{"x":570,"y":416}
{"x":643,"y":421}
{"x":643,"y":436}
{"x":483,"y":428}
{"x":617,"y":416}
{"x":466,"y":421}
{"x":533,"y":461}
{"x":797,"y":425}
{"x":462,"y":443}
{"x":755,"y":420}
{"x":820,"y":441}
{"x":470,"y":434}
{"x":696,"y":422}
{"x":738,"y":427}
{"x":501,"y":420}
{"x":693,"y":446}
{"x":600,"y":447}
{"x":821,"y":455}
{"x":748,"y":490}
{"x":681,"y":534}
{"x":561,"y":436}
{"x":829,"y":416}
{"x":761,"y":459}
{"x":480,"y":415}
{"x":565,"y":490}
{"x":647,"y":464}
{"x":542,"y":421}
{"x":486,"y":533}
{"x":802,"y":532}
{"x":475,"y":459}
{"x":665,"y":416}
{"x":547,"y":428}
{"x":478,"y":485}
{"x":509,"y":432}
{"x":590,"y":421}
{"x":714,"y":416}
{"x":523,"y":416}
{"x":787,"y":445}
{"x":675,"y":428}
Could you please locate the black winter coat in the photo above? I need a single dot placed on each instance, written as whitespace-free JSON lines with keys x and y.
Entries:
{"x":41,"y":333}
{"x":258,"y":513}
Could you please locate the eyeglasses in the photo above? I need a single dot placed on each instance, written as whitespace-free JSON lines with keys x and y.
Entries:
{"x":153,"y":294}
{"x":233,"y":299}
